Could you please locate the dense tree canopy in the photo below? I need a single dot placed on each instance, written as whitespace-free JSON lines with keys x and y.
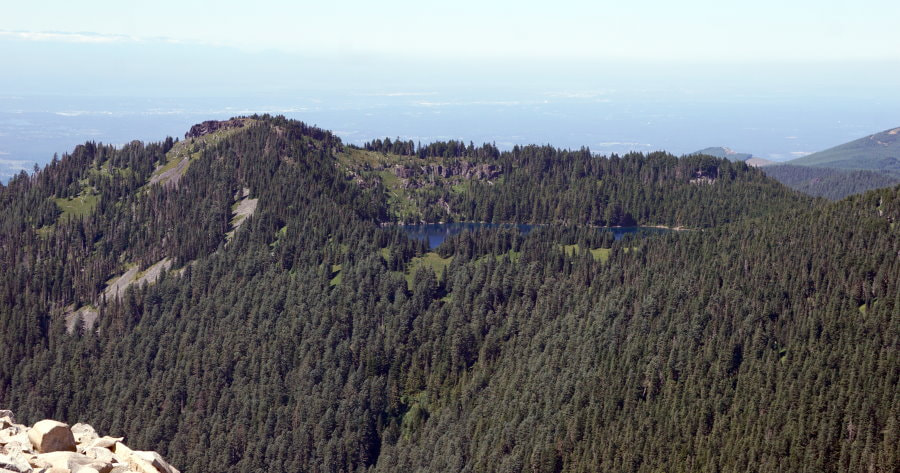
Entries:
{"x":831,"y":183}
{"x":322,"y":339}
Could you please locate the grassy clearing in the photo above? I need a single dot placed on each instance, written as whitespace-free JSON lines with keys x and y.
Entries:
{"x":391,"y":182}
{"x":171,"y":163}
{"x":360,"y":158}
{"x":459,"y":187}
{"x":399,"y":199}
{"x":337,"y":275}
{"x":79,"y":206}
{"x":430,"y":260}
{"x":416,"y":415}
{"x":599,"y":254}
{"x":864,"y":309}
{"x":45,"y":231}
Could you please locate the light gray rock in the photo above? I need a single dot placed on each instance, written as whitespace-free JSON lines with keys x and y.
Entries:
{"x":106,"y":442}
{"x":14,"y":434}
{"x":50,"y":447}
{"x":72,"y":461}
{"x":19,"y":443}
{"x":143,"y":462}
{"x":121,"y":469}
{"x":51,"y":436}
{"x":84,"y":433}
{"x":16,"y":463}
{"x":53,"y":460}
{"x":100,"y":453}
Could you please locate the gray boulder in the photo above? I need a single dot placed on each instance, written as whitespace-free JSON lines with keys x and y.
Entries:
{"x":51,"y":436}
{"x":83,"y":433}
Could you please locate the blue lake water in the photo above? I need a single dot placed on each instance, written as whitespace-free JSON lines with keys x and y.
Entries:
{"x":436,"y":233}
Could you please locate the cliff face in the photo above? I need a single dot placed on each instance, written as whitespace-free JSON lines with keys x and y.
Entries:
{"x":211,"y":126}
{"x":462,"y":169}
{"x":53,"y":447}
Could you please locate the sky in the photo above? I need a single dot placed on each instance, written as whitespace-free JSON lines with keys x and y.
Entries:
{"x":650,"y":30}
{"x":779,"y":79}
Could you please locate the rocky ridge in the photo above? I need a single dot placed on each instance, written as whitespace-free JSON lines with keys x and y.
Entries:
{"x":211,"y":126}
{"x":53,"y":447}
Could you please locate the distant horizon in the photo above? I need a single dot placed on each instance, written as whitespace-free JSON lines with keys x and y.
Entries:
{"x":774,"y":80}
{"x":29,"y":137}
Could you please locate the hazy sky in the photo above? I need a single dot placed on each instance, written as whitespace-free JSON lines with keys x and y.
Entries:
{"x":653,"y":30}
{"x":778,"y":78}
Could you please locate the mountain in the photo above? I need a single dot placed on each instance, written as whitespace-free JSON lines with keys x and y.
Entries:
{"x":724,"y":152}
{"x":878,"y":152}
{"x":759,"y":162}
{"x":243,"y":300}
{"x":867,"y":163}
{"x":830,"y":183}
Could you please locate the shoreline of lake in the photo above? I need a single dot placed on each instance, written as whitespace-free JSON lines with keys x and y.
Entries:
{"x":435,"y":233}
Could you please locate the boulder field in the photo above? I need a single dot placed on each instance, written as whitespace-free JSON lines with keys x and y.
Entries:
{"x":53,"y":447}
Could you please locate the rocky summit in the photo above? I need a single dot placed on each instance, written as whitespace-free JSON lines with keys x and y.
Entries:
{"x":50,"y":446}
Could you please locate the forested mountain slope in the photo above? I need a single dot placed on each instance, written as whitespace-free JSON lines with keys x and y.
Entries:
{"x":828,"y":182}
{"x":724,"y":152}
{"x":765,"y":342}
{"x":540,"y":184}
{"x":876,"y":152}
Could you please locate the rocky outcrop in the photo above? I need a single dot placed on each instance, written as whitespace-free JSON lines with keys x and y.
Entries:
{"x":705,"y":176}
{"x":54,"y":447}
{"x":211,"y":126}
{"x":463,"y":169}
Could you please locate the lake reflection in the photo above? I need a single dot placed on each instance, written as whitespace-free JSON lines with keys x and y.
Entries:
{"x":436,"y":233}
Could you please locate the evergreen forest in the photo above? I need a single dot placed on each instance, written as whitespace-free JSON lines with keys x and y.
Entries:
{"x":244,"y":300}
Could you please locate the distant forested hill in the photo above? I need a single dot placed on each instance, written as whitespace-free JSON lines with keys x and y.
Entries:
{"x":828,"y":182}
{"x":453,"y":181}
{"x":877,"y":152}
{"x":291,"y":328}
{"x":724,"y":152}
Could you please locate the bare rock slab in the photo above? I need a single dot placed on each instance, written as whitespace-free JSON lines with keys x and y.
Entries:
{"x":51,"y":436}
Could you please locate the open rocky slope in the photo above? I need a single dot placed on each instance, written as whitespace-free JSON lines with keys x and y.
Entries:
{"x":53,"y":447}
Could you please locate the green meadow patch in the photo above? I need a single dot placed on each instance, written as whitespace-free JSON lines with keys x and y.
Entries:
{"x":599,"y":254}
{"x":79,"y":206}
{"x":430,"y":260}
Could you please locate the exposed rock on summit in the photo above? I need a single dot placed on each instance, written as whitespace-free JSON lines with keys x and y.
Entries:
{"x":211,"y":126}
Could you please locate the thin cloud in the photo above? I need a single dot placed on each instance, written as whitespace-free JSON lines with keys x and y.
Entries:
{"x":88,"y":37}
{"x":402,"y":94}
{"x":15,"y":164}
{"x":505,"y":103}
{"x":800,"y":154}
{"x":583,"y":94}
{"x":606,"y":144}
